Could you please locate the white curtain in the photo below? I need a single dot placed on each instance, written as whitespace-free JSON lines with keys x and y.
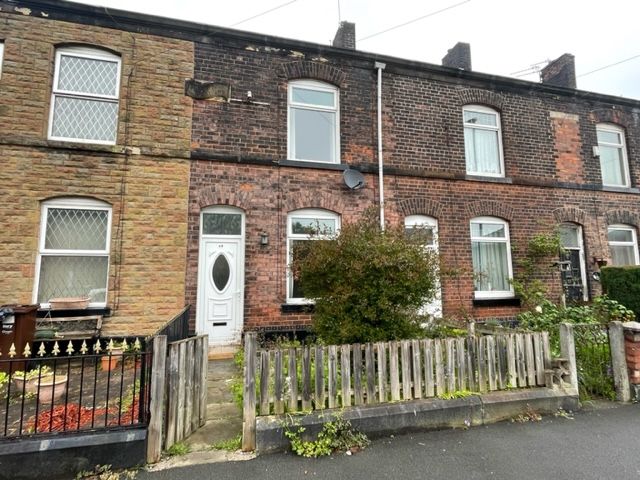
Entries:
{"x":490,"y":266}
{"x":622,"y":255}
{"x":481,"y":150}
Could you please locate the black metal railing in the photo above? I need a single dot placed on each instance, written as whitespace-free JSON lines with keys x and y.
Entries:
{"x":74,"y":392}
{"x":177,"y":328}
{"x":593,"y":361}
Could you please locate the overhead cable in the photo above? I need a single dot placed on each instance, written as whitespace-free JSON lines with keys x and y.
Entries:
{"x":417,"y":19}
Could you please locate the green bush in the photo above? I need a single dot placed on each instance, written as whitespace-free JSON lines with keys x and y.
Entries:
{"x":368,"y":285}
{"x":548,"y":316}
{"x":623,"y":285}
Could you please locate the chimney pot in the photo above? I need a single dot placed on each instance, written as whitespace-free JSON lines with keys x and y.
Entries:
{"x":458,"y":57}
{"x":345,"y":36}
{"x":561,"y":72}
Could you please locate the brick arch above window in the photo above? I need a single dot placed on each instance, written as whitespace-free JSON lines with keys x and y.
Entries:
{"x":420,"y":206}
{"x":609,"y":115}
{"x":624,"y":217}
{"x":489,"y":208}
{"x":314,"y":71}
{"x":482,"y":97}
{"x":225,"y":196}
{"x":570,"y":214}
{"x":325,"y":201}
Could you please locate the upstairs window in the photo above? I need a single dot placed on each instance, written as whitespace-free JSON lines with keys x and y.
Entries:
{"x":613,"y":156}
{"x":313,"y":122}
{"x":491,"y":255}
{"x":84,"y":101}
{"x":304,"y":226}
{"x":482,"y":141}
{"x":73,"y":259}
{"x":623,"y":245}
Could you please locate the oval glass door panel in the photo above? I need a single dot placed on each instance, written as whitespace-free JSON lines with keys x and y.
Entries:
{"x":221,"y":272}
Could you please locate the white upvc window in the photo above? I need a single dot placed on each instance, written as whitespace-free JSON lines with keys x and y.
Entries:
{"x":73,"y":256}
{"x":423,"y":229}
{"x":84,"y":100}
{"x":491,"y":255}
{"x":482,"y":141}
{"x":304,"y":226}
{"x":623,"y":245}
{"x":314,"y":121}
{"x":613,"y":156}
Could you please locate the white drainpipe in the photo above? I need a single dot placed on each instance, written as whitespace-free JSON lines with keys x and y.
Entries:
{"x":380,"y":66}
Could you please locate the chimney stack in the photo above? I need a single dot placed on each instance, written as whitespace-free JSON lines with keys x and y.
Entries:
{"x":561,"y":72}
{"x":345,"y":36}
{"x":458,"y":57}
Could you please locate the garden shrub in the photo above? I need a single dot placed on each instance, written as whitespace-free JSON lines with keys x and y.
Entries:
{"x":592,"y":358}
{"x":623,"y":285}
{"x":368,"y":285}
{"x":548,"y":316}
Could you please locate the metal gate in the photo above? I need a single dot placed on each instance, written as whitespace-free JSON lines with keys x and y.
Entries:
{"x":593,"y":361}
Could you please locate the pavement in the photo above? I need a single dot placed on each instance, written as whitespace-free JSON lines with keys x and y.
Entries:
{"x":600,"y":443}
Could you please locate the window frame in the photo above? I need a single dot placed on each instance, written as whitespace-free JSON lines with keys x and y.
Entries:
{"x":72,"y":204}
{"x":633,"y":243}
{"x":225,"y":210}
{"x":497,"y":128}
{"x":622,"y":146}
{"x":482,"y":294}
{"x":313,"y":85}
{"x":421,"y":221}
{"x":92,"y":54}
{"x":313,"y":213}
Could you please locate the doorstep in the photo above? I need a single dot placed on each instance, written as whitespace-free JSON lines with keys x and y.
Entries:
{"x":222,"y":352}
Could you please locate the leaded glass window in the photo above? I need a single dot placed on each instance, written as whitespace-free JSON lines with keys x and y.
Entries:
{"x":84,"y":102}
{"x":73,"y":260}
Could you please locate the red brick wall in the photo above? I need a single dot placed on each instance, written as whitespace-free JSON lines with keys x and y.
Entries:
{"x":551,"y":174}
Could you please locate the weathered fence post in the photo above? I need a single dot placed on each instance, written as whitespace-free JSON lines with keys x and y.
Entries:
{"x":568,"y":351}
{"x":619,"y":362}
{"x":158,"y":375}
{"x":249,"y":393}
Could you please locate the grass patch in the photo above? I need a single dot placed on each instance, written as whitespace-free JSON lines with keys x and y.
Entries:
{"x":230,"y":445}
{"x":178,"y":448}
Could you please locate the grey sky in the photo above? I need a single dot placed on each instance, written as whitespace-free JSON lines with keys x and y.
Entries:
{"x":506,"y":36}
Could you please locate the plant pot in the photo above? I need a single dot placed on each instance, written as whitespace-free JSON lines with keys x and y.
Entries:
{"x":109,"y":362}
{"x":69,"y":303}
{"x":48,"y":390}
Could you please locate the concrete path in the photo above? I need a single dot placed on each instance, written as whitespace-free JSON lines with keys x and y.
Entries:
{"x":224,"y":418}
{"x":593,"y":445}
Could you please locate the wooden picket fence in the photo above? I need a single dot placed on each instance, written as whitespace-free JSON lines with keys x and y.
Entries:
{"x":318,"y":377}
{"x":178,"y":391}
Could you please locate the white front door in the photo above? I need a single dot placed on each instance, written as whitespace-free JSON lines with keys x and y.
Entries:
{"x":426,"y":230}
{"x":221,"y":275}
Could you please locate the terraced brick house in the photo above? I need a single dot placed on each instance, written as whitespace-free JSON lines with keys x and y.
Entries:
{"x":482,"y":162}
{"x":95,"y":135}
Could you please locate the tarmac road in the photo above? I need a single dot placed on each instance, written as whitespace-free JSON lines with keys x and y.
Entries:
{"x":601,"y":444}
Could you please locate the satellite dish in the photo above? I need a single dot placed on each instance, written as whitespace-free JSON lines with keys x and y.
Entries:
{"x":353,"y":179}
